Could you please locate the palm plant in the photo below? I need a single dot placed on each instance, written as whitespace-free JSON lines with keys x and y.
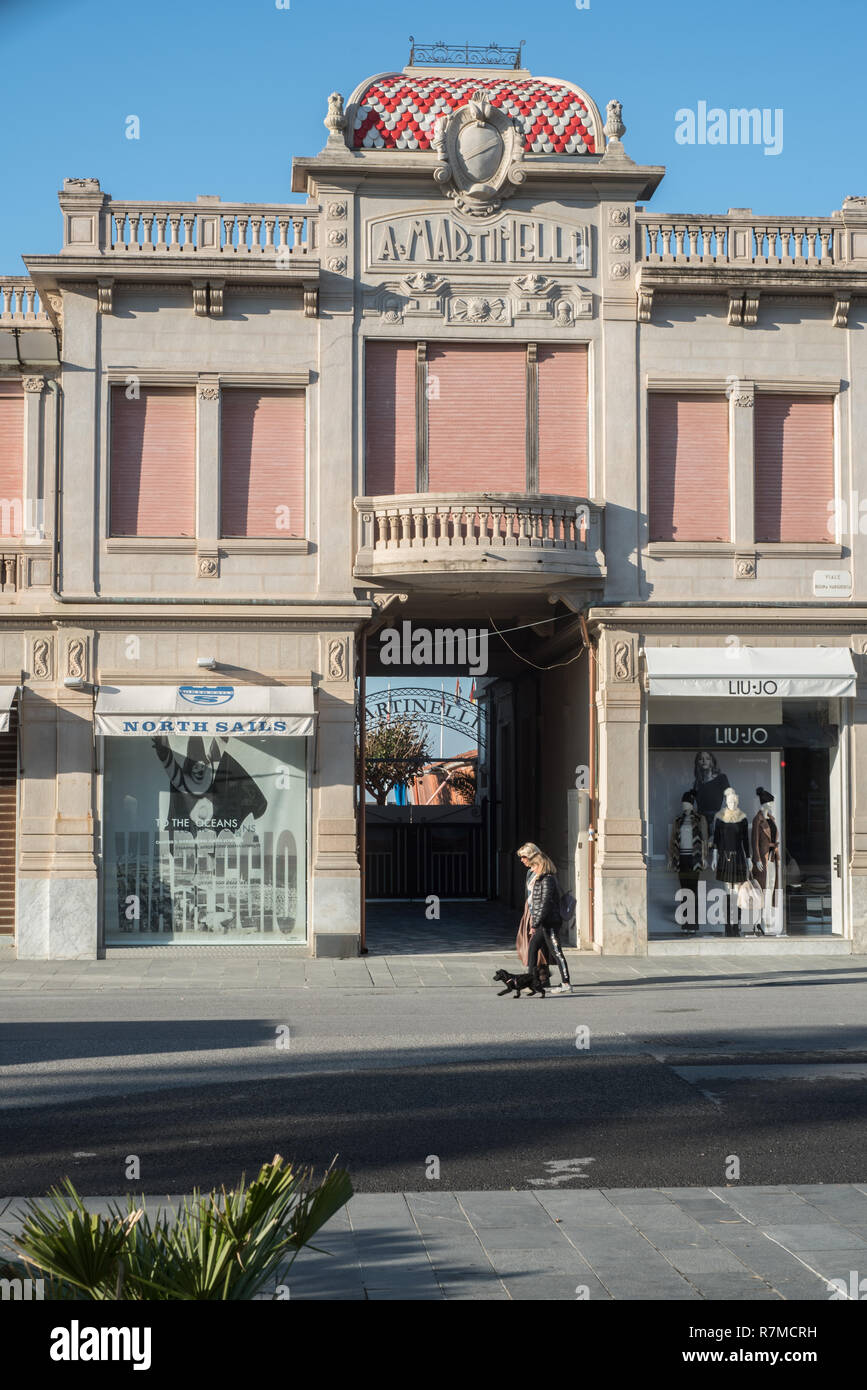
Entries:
{"x":219,"y":1245}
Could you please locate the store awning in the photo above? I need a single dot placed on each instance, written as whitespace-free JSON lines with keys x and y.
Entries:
{"x":236,"y":711}
{"x":7,"y":700}
{"x":799,"y":673}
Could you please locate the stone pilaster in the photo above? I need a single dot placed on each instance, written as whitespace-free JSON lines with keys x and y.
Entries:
{"x":858,"y":783}
{"x":621,"y":870}
{"x":336,"y":885}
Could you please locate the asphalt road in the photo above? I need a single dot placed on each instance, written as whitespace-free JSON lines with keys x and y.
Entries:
{"x":202,"y":1085}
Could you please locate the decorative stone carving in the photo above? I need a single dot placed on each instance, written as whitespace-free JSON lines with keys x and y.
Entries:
{"x":54,"y":304}
{"x":103,"y":296}
{"x":208,"y":391}
{"x":393,"y":312}
{"x":745,"y":566}
{"x":42,"y":659}
{"x":645,"y":305}
{"x":751,"y":310}
{"x":479,"y":310}
{"x":619,"y":243}
{"x":744,"y":399}
{"x":33,"y":383}
{"x":479,"y":152}
{"x":335,"y":122}
{"x":618,"y":217}
{"x":200,"y":298}
{"x":215,"y":299}
{"x":614,"y":127}
{"x":337,"y":264}
{"x":841,"y":311}
{"x":208,"y":566}
{"x":564,"y":312}
{"x":76,"y":659}
{"x":337,"y":237}
{"x":535,"y":284}
{"x":622,"y":660}
{"x":337,"y":210}
{"x":736,"y":309}
{"x":424,"y":282}
{"x":383,"y":599}
{"x":337,"y":659}
{"x":619,"y":270}
{"x":311,"y":304}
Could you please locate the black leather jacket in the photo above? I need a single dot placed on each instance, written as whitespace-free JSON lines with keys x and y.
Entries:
{"x":544,"y":901}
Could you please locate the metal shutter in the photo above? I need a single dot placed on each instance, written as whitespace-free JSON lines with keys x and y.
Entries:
{"x":794,"y":462}
{"x":11,"y":457}
{"x":153,"y":462}
{"x":390,"y":423}
{"x":688,"y":458}
{"x":477,"y":418}
{"x":8,"y":824}
{"x":262,"y":470}
{"x":563,"y":420}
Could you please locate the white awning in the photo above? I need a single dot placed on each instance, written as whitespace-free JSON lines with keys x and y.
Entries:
{"x":801,"y":673}
{"x":236,"y":711}
{"x":7,"y":700}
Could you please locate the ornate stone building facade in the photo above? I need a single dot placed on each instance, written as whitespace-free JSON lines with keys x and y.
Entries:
{"x":469,"y":379}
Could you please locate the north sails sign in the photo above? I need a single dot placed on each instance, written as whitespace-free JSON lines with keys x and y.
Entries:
{"x":438,"y":239}
{"x":227,"y":710}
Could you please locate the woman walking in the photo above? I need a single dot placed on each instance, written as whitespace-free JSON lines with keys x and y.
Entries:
{"x":543,"y":902}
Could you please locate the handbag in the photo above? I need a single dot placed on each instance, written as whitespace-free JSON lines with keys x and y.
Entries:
{"x":750,"y":903}
{"x":522,"y":940}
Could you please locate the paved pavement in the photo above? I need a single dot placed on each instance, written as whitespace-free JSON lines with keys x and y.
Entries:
{"x":686,"y":1244}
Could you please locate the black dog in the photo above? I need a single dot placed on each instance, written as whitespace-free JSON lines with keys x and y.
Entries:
{"x":536,"y":981}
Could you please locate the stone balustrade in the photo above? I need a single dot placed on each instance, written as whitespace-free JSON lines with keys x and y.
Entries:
{"x":19,"y":301}
{"x":430,"y":531}
{"x":210,"y":228}
{"x":737,"y":239}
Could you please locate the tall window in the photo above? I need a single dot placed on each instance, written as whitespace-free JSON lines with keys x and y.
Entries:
{"x":794,"y":463}
{"x":11,"y":458}
{"x":153,"y":462}
{"x":688,"y":464}
{"x":465,"y":417}
{"x":262,"y":470}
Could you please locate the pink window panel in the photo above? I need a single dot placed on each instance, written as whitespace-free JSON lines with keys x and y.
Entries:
{"x":153,"y":462}
{"x":563,"y":420}
{"x":688,"y":461}
{"x":794,"y":463}
{"x":390,"y":419}
{"x":11,"y":458}
{"x":477,"y":418}
{"x":263,"y":463}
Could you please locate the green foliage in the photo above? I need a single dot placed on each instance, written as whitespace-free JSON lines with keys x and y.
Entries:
{"x":395,"y":748}
{"x":219,"y":1245}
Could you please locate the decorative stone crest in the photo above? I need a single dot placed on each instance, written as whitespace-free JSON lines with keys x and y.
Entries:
{"x":335,"y":122}
{"x":33,"y":383}
{"x":745,"y":399}
{"x":745,"y":565}
{"x":42,"y":659}
{"x":337,"y":264}
{"x":618,"y":217}
{"x":76,"y":659}
{"x":479,"y":310}
{"x":424,"y":282}
{"x":622,"y":660}
{"x":337,"y":237}
{"x":479,"y":153}
{"x":337,"y":211}
{"x":534,"y":284}
{"x":208,"y":391}
{"x":208,"y":566}
{"x":337,"y":659}
{"x":619,"y":243}
{"x":619,"y":270}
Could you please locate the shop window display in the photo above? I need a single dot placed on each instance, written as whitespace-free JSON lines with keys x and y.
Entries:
{"x":204,"y":839}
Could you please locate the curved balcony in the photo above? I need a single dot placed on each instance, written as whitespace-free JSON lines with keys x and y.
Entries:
{"x":438,"y":539}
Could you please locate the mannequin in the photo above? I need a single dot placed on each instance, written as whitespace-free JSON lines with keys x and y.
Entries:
{"x":765,"y":847}
{"x":731,"y":854}
{"x":709,"y":785}
{"x":687,"y":848}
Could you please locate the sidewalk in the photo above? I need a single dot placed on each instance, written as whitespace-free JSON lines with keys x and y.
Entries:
{"x":720,"y":1243}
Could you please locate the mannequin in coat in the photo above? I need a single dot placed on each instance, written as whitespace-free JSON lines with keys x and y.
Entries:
{"x":687,"y":847}
{"x":731,"y":853}
{"x":765,"y":848}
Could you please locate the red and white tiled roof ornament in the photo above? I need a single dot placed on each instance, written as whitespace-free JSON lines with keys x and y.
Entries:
{"x":399,"y":111}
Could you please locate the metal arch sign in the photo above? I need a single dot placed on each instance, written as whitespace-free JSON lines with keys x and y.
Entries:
{"x":431,"y":707}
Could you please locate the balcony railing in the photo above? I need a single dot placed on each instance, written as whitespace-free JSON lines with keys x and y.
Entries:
{"x":737,"y":239}
{"x":445,"y":531}
{"x":211,"y":229}
{"x":19,"y":302}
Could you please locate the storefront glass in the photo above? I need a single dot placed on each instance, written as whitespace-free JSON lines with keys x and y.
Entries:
{"x":778,"y":760}
{"x":204,"y":840}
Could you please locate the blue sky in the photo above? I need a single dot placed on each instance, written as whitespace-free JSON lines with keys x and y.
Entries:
{"x":228,"y":90}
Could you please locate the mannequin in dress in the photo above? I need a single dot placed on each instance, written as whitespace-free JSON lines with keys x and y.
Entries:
{"x":731,"y":854}
{"x":765,"y":848}
{"x":687,"y":848}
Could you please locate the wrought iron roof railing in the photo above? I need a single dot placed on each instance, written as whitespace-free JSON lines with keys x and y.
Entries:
{"x":464,"y":55}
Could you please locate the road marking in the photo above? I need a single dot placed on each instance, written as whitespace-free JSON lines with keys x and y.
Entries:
{"x":562,"y":1170}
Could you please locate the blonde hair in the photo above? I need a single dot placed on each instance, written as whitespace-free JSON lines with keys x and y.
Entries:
{"x":539,"y":861}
